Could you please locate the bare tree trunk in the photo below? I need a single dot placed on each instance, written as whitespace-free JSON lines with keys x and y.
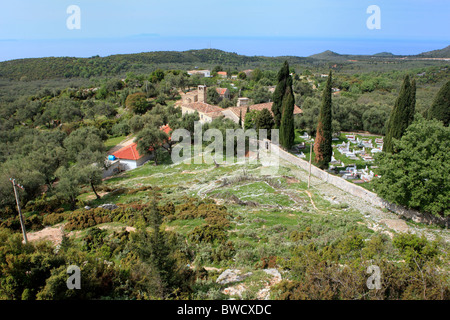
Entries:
{"x":95,"y":192}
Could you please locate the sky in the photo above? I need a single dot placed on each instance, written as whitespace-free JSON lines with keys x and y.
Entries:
{"x":30,"y":28}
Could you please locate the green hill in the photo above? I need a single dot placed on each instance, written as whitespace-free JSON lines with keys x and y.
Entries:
{"x":71,"y":67}
{"x":326,"y":55}
{"x":146,"y":62}
{"x":442,"y":53}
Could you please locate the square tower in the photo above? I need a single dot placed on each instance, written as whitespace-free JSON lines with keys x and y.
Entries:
{"x":202,"y":93}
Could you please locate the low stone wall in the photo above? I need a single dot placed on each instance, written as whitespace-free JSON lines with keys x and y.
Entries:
{"x":360,"y":192}
{"x":417,"y":216}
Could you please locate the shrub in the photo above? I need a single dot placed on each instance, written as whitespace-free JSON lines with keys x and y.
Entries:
{"x":208,"y":233}
{"x":82,"y":219}
{"x":53,"y":218}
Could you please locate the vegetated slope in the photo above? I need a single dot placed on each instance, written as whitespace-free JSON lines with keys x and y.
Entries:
{"x":327,"y":55}
{"x":68,"y":67}
{"x":442,"y":53}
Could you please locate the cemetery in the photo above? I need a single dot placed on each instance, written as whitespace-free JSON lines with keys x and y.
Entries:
{"x":352,"y":157}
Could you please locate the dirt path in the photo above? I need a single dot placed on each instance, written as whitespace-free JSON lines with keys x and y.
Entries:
{"x":53,"y":234}
{"x":121,"y":145}
{"x":312,"y":201}
{"x":374,"y":216}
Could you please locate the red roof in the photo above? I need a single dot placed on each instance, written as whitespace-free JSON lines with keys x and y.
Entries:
{"x":128,"y":153}
{"x":131,"y":153}
{"x":166,"y":129}
{"x":221,"y":91}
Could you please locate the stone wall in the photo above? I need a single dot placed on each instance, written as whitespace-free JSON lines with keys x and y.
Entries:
{"x":360,"y":192}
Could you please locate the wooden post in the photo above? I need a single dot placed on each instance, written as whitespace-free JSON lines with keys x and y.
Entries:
{"x":310,"y":159}
{"x":24,"y":232}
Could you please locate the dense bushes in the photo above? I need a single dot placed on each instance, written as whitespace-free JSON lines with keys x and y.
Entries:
{"x":417,"y":174}
{"x":339,"y":270}
{"x":114,"y":265}
{"x":216,"y":220}
{"x":82,"y":219}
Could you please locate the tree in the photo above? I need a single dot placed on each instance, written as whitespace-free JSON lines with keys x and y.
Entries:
{"x":256,"y":75}
{"x":412,"y":107}
{"x":68,"y":188}
{"x":418,"y":174}
{"x":401,"y":115}
{"x":322,"y":145}
{"x":90,"y":169}
{"x":161,"y":253}
{"x":137,"y":102}
{"x":87,"y":148}
{"x":260,"y":95}
{"x":212,"y":96}
{"x":242,"y":75}
{"x":287,"y":132}
{"x":149,"y":140}
{"x":264,"y":121}
{"x":187,"y":122}
{"x":47,"y":160}
{"x":440,"y":109}
{"x":308,"y":120}
{"x":250,"y":119}
{"x":216,"y":69}
{"x":157,"y":76}
{"x":279,"y":93}
{"x":374,"y":119}
{"x":88,"y":139}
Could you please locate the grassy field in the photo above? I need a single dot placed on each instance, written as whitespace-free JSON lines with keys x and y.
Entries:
{"x":269,"y":217}
{"x":112,"y":142}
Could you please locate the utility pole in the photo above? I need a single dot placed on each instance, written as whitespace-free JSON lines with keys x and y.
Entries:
{"x":310,"y":159}
{"x":24,"y":232}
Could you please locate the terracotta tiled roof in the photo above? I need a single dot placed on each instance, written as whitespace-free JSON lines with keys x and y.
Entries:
{"x":259,"y":107}
{"x":166,"y":129}
{"x":221,"y":91}
{"x":202,"y":107}
{"x":130,"y":152}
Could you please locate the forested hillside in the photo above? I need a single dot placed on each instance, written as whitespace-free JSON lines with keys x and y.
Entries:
{"x":119,"y":65}
{"x":174,"y":231}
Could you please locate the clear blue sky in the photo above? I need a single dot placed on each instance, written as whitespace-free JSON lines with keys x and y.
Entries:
{"x":31,"y":28}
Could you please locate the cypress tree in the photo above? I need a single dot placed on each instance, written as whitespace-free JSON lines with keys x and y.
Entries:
{"x":279,"y":93}
{"x":323,"y":142}
{"x":287,"y":133}
{"x":412,"y":107}
{"x":402,"y":114}
{"x":440,"y":109}
{"x":240,"y":118}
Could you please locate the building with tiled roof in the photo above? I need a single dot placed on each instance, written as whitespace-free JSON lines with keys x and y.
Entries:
{"x":207,"y":112}
{"x":202,"y":73}
{"x":196,"y":102}
{"x":223,"y":74}
{"x":224,"y":93}
{"x":234,"y":113}
{"x":129,"y":156}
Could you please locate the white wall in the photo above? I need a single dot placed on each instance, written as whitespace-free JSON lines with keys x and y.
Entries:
{"x":362,"y":193}
{"x":128,"y":164}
